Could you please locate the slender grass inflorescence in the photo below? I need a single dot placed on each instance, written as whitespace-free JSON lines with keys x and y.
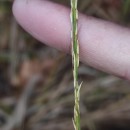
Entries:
{"x":75,"y":58}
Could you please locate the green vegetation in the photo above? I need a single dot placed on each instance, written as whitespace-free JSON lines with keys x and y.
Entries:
{"x":75,"y":58}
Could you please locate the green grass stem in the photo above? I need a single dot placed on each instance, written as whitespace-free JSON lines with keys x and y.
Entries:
{"x":75,"y":60}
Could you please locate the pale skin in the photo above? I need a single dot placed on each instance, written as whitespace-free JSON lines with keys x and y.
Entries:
{"x":103,"y":45}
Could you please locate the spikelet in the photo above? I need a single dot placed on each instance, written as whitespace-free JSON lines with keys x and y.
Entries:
{"x":75,"y":60}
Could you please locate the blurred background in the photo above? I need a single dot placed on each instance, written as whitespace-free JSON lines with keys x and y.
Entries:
{"x":36,"y":82}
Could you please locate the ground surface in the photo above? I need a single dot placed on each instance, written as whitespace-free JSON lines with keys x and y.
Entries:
{"x":36,"y":83}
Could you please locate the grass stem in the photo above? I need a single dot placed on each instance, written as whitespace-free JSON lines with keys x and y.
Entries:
{"x":75,"y":60}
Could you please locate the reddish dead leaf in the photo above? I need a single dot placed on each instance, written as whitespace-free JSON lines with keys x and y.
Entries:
{"x":30,"y":68}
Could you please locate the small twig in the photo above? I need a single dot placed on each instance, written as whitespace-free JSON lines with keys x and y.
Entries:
{"x":20,"y":111}
{"x":13,"y":47}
